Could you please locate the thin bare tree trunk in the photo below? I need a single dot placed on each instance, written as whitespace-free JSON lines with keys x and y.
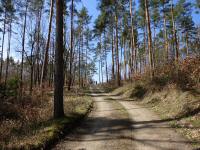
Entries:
{"x":106,"y":61}
{"x":165,"y":35}
{"x":38,"y":48}
{"x":113,"y":61}
{"x":149,"y":39}
{"x":174,"y":33}
{"x":23,"y":50}
{"x":102,"y":71}
{"x":2,"y":46}
{"x":133,"y":41}
{"x":8,"y":52}
{"x":117,"y":53}
{"x":154,"y":48}
{"x":82,"y":52}
{"x":145,"y":49}
{"x":79,"y":63}
{"x":32,"y":62}
{"x":71,"y":45}
{"x":125,"y":61}
{"x":46,"y":57}
{"x":99,"y":71}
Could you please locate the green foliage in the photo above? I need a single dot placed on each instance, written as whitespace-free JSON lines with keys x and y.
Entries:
{"x":12,"y":87}
{"x":2,"y":90}
{"x":138,"y":92}
{"x":161,"y":80}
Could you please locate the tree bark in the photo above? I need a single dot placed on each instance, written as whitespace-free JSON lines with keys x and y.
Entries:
{"x":125,"y":61}
{"x":106,"y":62}
{"x":149,"y":39}
{"x":2,"y":46}
{"x":59,"y":62}
{"x":71,"y":45}
{"x":8,"y":52}
{"x":133,"y":41}
{"x":99,"y":71}
{"x":23,"y":50}
{"x":32,"y":61}
{"x":113,"y":58}
{"x":165,"y":35}
{"x":79,"y":62}
{"x":117,"y":53}
{"x":174,"y":33}
{"x":46,"y":57}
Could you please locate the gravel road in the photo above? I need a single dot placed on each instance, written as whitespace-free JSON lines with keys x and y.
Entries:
{"x":120,"y":124}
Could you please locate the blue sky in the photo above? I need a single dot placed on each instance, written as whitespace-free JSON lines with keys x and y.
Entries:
{"x":91,"y":5}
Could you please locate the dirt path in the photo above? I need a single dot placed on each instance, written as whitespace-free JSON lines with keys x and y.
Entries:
{"x":151,"y":132}
{"x":122,"y":125}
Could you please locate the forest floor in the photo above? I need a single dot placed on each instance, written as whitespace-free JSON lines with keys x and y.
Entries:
{"x":33,"y":126}
{"x":120,"y":123}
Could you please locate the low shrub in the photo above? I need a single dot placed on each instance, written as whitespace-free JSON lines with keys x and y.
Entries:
{"x":185,"y":74}
{"x":12,"y":87}
{"x":138,"y":92}
{"x":2,"y":90}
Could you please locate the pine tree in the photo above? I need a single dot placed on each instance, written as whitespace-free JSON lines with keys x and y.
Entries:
{"x":59,"y":62}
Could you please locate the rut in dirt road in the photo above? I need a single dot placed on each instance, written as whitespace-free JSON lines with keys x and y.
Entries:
{"x":123,"y":125}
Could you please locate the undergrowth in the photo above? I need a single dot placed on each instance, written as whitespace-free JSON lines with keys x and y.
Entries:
{"x":173,"y":92}
{"x":28,"y":124}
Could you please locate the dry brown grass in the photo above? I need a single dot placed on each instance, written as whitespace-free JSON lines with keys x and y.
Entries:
{"x":174,"y":93}
{"x":29,"y":122}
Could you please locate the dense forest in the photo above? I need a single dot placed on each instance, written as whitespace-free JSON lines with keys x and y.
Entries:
{"x":53,"y":50}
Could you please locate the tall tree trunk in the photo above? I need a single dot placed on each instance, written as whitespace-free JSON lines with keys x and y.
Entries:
{"x":149,"y":38}
{"x":46,"y":57}
{"x":23,"y":50}
{"x":113,"y":57}
{"x":140,"y":64}
{"x":2,"y":46}
{"x":82,"y":53}
{"x":32,"y":61}
{"x":102,"y":79}
{"x":145,"y":48}
{"x":154,"y":47}
{"x":175,"y":41}
{"x":106,"y":69}
{"x":133,"y":40}
{"x":121,"y":57}
{"x":86,"y":61}
{"x":71,"y":45}
{"x":130,"y":62}
{"x":79,"y":62}
{"x":125,"y":61}
{"x":8,"y":52}
{"x":38,"y":48}
{"x":52,"y":62}
{"x":99,"y":70}
{"x":117,"y":53}
{"x":106,"y":62}
{"x":165,"y":35}
{"x":59,"y":62}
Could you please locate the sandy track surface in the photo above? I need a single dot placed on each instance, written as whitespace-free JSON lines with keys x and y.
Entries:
{"x":117,"y":124}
